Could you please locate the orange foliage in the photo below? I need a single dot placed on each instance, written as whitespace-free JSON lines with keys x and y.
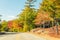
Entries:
{"x":41,"y":17}
{"x":13,"y":24}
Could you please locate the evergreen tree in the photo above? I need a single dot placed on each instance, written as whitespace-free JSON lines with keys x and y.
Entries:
{"x":27,"y":16}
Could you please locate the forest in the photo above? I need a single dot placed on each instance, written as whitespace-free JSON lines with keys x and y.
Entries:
{"x":46,"y":16}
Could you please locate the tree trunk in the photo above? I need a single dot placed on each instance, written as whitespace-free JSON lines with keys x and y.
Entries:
{"x":57,"y":31}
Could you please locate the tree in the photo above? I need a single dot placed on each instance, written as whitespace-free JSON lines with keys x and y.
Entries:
{"x":27,"y":16}
{"x":53,"y":7}
{"x":14,"y":26}
{"x":42,"y":17}
{"x":4,"y":26}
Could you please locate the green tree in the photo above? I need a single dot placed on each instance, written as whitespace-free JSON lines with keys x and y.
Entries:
{"x":4,"y":26}
{"x":52,"y":7}
{"x":27,"y":16}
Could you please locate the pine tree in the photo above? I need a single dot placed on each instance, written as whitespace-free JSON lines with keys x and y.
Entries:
{"x":27,"y":16}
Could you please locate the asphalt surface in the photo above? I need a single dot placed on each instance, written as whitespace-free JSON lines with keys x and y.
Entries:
{"x":20,"y":36}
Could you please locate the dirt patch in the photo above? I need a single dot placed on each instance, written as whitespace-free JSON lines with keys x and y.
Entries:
{"x":47,"y":31}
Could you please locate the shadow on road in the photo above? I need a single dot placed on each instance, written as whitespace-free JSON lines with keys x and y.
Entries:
{"x":8,"y":33}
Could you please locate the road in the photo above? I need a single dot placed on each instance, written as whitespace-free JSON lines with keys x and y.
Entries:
{"x":20,"y":36}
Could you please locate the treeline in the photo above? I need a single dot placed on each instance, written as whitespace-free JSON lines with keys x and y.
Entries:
{"x":48,"y":15}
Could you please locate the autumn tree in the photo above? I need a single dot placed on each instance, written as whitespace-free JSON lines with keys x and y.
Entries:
{"x":14,"y":26}
{"x":53,"y":7}
{"x":43,"y":18}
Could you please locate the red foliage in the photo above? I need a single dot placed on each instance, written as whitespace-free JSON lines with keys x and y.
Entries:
{"x":10,"y":24}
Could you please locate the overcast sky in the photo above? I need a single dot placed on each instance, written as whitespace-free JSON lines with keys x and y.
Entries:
{"x":9,"y":9}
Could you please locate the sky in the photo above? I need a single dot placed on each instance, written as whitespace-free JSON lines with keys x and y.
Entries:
{"x":9,"y":9}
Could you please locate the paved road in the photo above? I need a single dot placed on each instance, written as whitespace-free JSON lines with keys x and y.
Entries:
{"x":20,"y":36}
